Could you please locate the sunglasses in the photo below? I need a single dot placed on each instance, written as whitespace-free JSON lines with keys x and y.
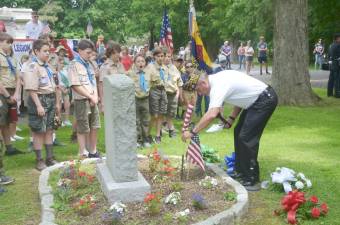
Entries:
{"x":189,"y":66}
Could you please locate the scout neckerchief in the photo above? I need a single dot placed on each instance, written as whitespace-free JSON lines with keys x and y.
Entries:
{"x":161,"y":73}
{"x":142,"y":82}
{"x":9,"y":62}
{"x":45,"y":65}
{"x":87,"y":66}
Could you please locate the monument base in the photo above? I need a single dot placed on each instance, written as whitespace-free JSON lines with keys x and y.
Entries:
{"x":125,"y":191}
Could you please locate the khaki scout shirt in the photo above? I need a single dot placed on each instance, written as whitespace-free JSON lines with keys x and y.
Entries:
{"x":155,"y":77}
{"x":134,"y":74}
{"x":173,"y":80}
{"x":77,"y":75}
{"x":53,"y":61}
{"x":7,"y":78}
{"x":36,"y":79}
{"x":110,"y":68}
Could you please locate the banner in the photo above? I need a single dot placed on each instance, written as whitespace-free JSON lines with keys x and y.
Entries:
{"x":21,"y":47}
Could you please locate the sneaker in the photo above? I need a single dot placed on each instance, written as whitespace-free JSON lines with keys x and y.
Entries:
{"x":18,"y":129}
{"x":40,"y":165}
{"x":57,"y":143}
{"x":150,"y":139}
{"x":158,"y":139}
{"x":67,"y":123}
{"x":13,"y":139}
{"x":172,"y":133}
{"x":139,"y":145}
{"x":17,"y":137}
{"x":147,"y":145}
{"x":13,"y":151}
{"x":215,"y":128}
{"x":51,"y":162}
{"x":94,"y":155}
{"x":267,"y":72}
{"x":6,"y":180}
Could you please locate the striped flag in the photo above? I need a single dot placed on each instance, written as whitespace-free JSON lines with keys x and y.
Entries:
{"x":166,"y":34}
{"x":194,"y":154}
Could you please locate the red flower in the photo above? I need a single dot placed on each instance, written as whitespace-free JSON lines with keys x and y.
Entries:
{"x":156,"y":156}
{"x":314,"y":199}
{"x":149,"y":197}
{"x":324,"y":208}
{"x":315,"y":212}
{"x":81,"y":174}
{"x":81,"y":202}
{"x":166,"y":161}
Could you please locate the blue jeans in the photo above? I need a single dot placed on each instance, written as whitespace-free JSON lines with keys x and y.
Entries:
{"x":198,"y":109}
{"x":318,"y":60}
{"x":241,"y":60}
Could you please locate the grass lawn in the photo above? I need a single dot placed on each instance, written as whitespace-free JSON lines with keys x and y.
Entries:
{"x":304,"y":139}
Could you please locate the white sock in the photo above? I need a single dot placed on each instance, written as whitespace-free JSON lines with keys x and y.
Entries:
{"x":54,"y":136}
{"x":31,"y":139}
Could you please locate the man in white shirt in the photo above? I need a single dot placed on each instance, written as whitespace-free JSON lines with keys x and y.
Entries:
{"x":255,"y":100}
{"x":34,"y":27}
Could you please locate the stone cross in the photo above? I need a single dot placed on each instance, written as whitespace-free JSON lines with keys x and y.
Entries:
{"x":118,"y":175}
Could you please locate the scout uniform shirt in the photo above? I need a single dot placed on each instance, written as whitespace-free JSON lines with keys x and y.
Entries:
{"x":110,"y":68}
{"x":141,"y":79}
{"x":80,"y":73}
{"x":158,"y":74}
{"x":39,"y":77}
{"x":173,"y":80}
{"x":8,"y":71}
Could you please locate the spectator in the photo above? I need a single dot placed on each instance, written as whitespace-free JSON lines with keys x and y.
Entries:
{"x":226,"y":50}
{"x":241,"y":55}
{"x":318,"y":52}
{"x":34,"y":27}
{"x":262,"y":48}
{"x":125,"y":59}
{"x":249,"y":53}
{"x":2,"y":26}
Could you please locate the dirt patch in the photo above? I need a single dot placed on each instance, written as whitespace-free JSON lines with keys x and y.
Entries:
{"x":137,"y":212}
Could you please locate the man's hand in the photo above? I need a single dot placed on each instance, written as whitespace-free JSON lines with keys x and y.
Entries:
{"x":229,"y":123}
{"x":186,"y":135}
{"x":93,"y":100}
{"x":41,"y":111}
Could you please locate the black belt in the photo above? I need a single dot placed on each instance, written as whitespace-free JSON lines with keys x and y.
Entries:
{"x":160,"y":87}
{"x":51,"y":95}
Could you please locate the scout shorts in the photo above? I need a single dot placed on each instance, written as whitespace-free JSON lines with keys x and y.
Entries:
{"x":87,"y":116}
{"x":41,"y":124}
{"x":158,"y":102}
{"x":172,"y":104}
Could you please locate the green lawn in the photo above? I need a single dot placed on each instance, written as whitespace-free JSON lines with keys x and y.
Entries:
{"x":304,"y":139}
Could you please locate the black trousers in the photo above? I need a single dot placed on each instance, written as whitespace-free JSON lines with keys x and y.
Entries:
{"x":248,"y":131}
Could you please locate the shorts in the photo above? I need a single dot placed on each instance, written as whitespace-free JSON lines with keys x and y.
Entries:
{"x":87,"y":116}
{"x":249,"y":58}
{"x":41,"y":124}
{"x":262,"y":59}
{"x":8,"y":112}
{"x":158,"y":101}
{"x":172,"y":104}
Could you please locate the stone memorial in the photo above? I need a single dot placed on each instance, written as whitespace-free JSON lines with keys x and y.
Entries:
{"x":118,"y":174}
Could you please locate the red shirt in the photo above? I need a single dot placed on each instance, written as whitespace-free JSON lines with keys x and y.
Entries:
{"x":126,"y":61}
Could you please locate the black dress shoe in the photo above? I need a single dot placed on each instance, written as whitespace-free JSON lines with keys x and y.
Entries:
{"x":13,"y":151}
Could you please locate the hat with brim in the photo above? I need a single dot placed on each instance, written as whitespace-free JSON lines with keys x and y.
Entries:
{"x":59,"y":48}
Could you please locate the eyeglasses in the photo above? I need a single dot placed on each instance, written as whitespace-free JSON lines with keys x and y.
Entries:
{"x":36,"y":16}
{"x":189,"y":67}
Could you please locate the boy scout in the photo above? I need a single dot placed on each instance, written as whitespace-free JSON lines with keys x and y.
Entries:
{"x":158,"y":99}
{"x":10,"y":82}
{"x":111,"y":66}
{"x":43,"y":103}
{"x":84,"y":91}
{"x":141,"y":79}
{"x":9,"y":86}
{"x":173,"y":88}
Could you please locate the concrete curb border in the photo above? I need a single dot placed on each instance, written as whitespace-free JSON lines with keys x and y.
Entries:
{"x":230,"y":216}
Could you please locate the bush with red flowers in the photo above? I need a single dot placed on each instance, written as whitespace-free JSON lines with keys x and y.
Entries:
{"x":153,"y":203}
{"x":296,"y":205}
{"x":85,"y":205}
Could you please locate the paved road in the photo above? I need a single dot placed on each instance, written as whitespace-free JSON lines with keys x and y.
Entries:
{"x":319,"y":78}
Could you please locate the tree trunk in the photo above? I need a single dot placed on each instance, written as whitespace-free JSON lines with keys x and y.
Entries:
{"x":291,"y":79}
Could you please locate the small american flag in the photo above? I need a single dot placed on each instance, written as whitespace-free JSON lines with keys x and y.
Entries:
{"x":166,"y":34}
{"x":194,"y":154}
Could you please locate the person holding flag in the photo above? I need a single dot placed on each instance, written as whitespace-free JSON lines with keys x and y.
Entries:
{"x":255,"y":100}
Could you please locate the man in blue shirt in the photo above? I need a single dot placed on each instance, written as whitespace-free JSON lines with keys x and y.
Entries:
{"x":262,"y":54}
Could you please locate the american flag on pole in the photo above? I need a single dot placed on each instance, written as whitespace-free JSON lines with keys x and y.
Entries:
{"x":194,"y":154}
{"x":166,"y":34}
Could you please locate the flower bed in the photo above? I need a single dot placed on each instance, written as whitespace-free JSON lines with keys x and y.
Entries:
{"x":171,"y":200}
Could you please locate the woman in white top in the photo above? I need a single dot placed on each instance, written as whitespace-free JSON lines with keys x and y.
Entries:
{"x":249,"y":53}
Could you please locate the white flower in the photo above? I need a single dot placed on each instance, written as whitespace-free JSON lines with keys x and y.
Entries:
{"x":214,"y":182}
{"x":182,"y":213}
{"x":173,"y":198}
{"x":308,"y":183}
{"x":118,"y":207}
{"x":299,"y":185}
{"x":208,"y":182}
